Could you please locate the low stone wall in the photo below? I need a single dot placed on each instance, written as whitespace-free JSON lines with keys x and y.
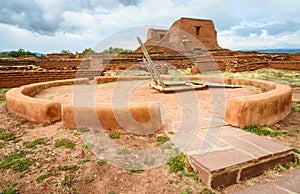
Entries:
{"x":11,"y":79}
{"x":19,"y":101}
{"x":287,"y":65}
{"x":140,"y":119}
{"x":265,"y":108}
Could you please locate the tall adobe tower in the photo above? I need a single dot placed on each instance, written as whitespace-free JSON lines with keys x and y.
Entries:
{"x":187,"y":31}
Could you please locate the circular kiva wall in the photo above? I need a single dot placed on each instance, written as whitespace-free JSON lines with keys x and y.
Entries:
{"x":264,"y":108}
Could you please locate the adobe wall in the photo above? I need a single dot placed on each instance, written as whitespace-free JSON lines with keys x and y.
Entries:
{"x":265,"y":108}
{"x":259,"y":109}
{"x":294,"y":57}
{"x":19,"y":101}
{"x":288,"y":65}
{"x":203,"y":30}
{"x":183,"y":29}
{"x":64,"y":56}
{"x":154,"y":36}
{"x":146,"y":115}
{"x":11,"y":79}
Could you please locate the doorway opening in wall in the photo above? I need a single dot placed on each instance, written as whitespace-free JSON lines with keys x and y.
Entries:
{"x":198,"y":30}
{"x":161,"y":36}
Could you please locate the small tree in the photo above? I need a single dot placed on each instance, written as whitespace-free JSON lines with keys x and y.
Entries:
{"x":88,"y":50}
{"x":65,"y":51}
{"x":15,"y":54}
{"x":112,"y":50}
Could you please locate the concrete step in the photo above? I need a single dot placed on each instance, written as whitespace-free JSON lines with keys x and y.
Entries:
{"x":226,"y":155}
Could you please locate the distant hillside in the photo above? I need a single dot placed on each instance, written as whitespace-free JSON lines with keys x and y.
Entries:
{"x":291,"y":51}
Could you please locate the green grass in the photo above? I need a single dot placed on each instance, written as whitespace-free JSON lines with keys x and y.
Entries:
{"x":68,"y":180}
{"x":296,"y":106}
{"x":115,"y":135}
{"x":70,"y":168}
{"x":16,"y":161}
{"x":64,"y":143}
{"x":10,"y":191}
{"x":263,"y":131}
{"x":85,"y":145}
{"x":291,"y":78}
{"x":89,"y":180}
{"x":87,"y":159}
{"x":6,"y":136}
{"x":186,"y":191}
{"x":296,"y":151}
{"x":34,"y":143}
{"x":48,"y":174}
{"x":101,"y":162}
{"x":2,"y":145}
{"x":206,"y":191}
{"x":134,"y":168}
{"x":266,"y":131}
{"x":2,"y":94}
{"x":180,"y":165}
{"x":31,"y":126}
{"x":162,"y":139}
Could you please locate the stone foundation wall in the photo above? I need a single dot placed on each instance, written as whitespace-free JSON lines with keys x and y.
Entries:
{"x":11,"y":79}
{"x":15,"y":73}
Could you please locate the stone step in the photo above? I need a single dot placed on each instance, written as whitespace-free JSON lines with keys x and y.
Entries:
{"x":226,"y":155}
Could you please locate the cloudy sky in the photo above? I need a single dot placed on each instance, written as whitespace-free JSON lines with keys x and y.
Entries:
{"x":52,"y":25}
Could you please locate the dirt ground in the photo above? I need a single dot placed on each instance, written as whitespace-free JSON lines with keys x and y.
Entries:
{"x":54,"y":169}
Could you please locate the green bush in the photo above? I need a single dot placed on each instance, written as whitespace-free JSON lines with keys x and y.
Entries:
{"x":112,"y":50}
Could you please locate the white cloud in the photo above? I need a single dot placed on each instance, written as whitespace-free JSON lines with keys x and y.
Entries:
{"x":229,"y":39}
{"x":76,"y":24}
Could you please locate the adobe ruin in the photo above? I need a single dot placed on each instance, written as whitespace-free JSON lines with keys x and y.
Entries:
{"x":15,"y":72}
{"x":202,"y":30}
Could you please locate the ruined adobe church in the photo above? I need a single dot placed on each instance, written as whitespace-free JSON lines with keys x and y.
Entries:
{"x":185,"y":34}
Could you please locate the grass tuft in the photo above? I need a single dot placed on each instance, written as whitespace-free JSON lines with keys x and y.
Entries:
{"x":48,"y":174}
{"x":115,"y":135}
{"x":69,"y":180}
{"x":263,"y":131}
{"x":134,"y":168}
{"x":180,"y":165}
{"x":89,"y":180}
{"x":65,"y":143}
{"x":10,"y":191}
{"x":162,"y":139}
{"x":87,"y":159}
{"x":206,"y":191}
{"x":2,"y":145}
{"x":296,"y":151}
{"x":70,"y":168}
{"x":2,"y":94}
{"x":296,"y":106}
{"x":6,"y":136}
{"x":16,"y":161}
{"x":101,"y":162}
{"x":34,"y":143}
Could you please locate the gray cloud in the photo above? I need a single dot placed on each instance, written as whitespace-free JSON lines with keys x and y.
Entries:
{"x":129,"y":2}
{"x":47,"y":20}
{"x":273,"y":29}
{"x":28,"y":15}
